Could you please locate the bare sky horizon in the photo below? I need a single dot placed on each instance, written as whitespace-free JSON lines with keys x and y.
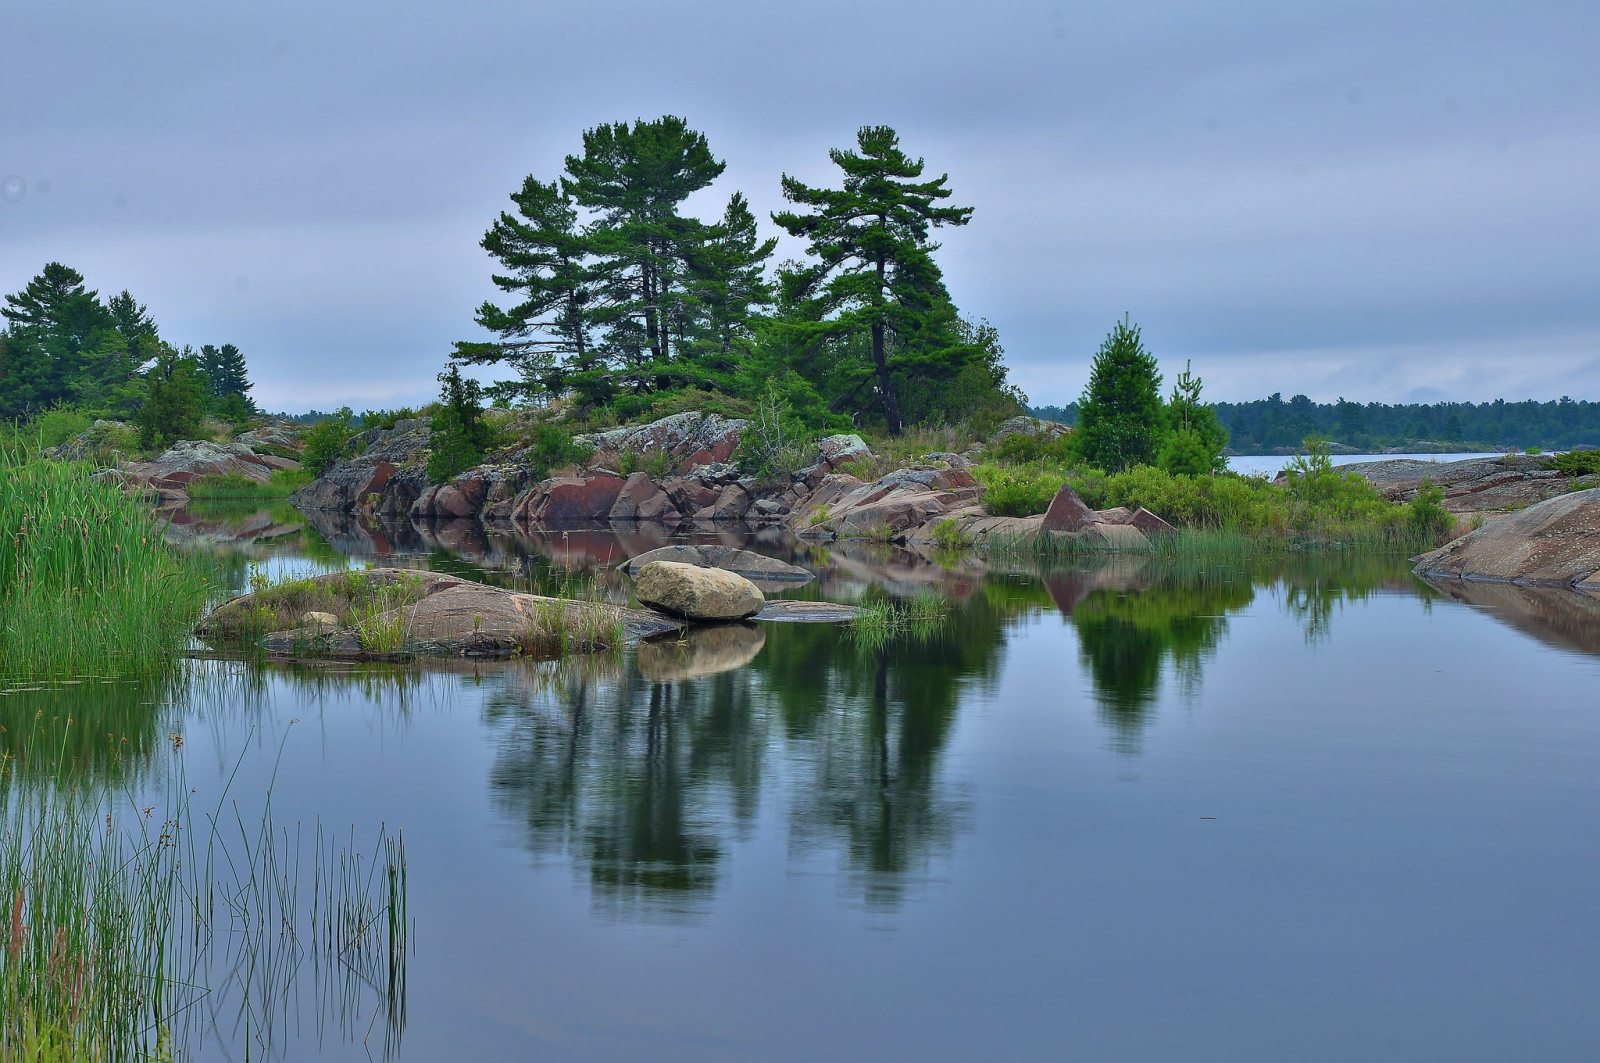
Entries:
{"x":1389,"y":202}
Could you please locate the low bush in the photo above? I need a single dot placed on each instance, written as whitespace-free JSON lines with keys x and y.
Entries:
{"x":325,"y":442}
{"x":1577,"y":462}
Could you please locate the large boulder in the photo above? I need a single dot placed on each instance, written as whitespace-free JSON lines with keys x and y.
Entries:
{"x":686,"y":439}
{"x":1067,"y":512}
{"x":1028,"y":426}
{"x":1553,"y":543}
{"x":697,"y":593}
{"x":573,"y":500}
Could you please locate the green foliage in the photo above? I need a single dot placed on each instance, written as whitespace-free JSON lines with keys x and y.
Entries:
{"x":1022,"y":448}
{"x":225,"y":371}
{"x":553,"y":448}
{"x":282,"y":484}
{"x":1264,"y":424}
{"x":874,"y":281}
{"x":1017,"y":492}
{"x":1577,"y":462}
{"x":175,"y":402}
{"x":460,"y":434}
{"x":775,"y":445}
{"x":325,"y":441}
{"x":87,"y":583}
{"x":1196,"y":438}
{"x":1427,"y":515}
{"x":58,"y":424}
{"x":947,"y":535}
{"x":387,"y":419}
{"x":1120,"y":417}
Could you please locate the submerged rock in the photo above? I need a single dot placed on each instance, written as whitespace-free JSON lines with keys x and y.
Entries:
{"x":697,"y":593}
{"x":1555,"y":543}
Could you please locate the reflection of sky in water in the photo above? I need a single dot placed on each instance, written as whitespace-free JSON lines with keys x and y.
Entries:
{"x":1270,"y":465}
{"x":1128,"y":814}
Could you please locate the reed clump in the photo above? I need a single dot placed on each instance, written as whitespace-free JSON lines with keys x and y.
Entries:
{"x":919,"y":618}
{"x":87,"y":583}
{"x":117,"y":921}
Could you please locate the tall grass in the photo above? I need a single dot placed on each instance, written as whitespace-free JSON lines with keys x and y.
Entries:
{"x":920,"y":618}
{"x":117,"y":924}
{"x":87,"y":584}
{"x":233,"y":486}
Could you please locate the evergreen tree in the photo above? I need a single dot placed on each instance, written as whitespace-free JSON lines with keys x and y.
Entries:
{"x":225,"y":370}
{"x":634,"y":179}
{"x":546,"y":336}
{"x":729,"y":283}
{"x":175,"y":401}
{"x":1120,"y":417}
{"x":1195,"y":438}
{"x":875,"y":273}
{"x":460,"y":435}
{"x":52,"y":326}
{"x":130,"y":318}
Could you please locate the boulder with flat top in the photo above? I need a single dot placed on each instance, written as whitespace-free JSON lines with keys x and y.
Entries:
{"x":697,"y":593}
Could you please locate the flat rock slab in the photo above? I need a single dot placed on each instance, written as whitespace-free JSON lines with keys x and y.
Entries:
{"x":382,"y":614}
{"x":1554,"y":544}
{"x":788,"y":612}
{"x":746,"y":563}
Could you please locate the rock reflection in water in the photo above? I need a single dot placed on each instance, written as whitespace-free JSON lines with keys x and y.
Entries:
{"x":1564,"y":618}
{"x":699,"y":652}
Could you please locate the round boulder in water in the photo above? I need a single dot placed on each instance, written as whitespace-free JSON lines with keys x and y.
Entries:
{"x":697,"y":593}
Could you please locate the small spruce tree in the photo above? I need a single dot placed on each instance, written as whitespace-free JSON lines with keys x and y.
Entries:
{"x":174,"y":401}
{"x":1194,"y":444}
{"x":1121,"y":422}
{"x":460,"y":433}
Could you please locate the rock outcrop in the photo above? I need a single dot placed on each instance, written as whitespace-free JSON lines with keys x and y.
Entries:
{"x":191,"y":459}
{"x":384,"y":474}
{"x":1473,"y":485}
{"x":392,"y":612}
{"x":685,"y":439}
{"x":697,"y":593}
{"x":1555,"y":543}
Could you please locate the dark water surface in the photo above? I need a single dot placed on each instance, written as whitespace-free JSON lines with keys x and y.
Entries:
{"x":1315,"y":811}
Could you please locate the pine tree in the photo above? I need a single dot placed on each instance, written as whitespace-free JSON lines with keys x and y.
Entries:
{"x":729,"y":282}
{"x":130,"y":318}
{"x":175,"y":394}
{"x":226,"y":372}
{"x":1194,"y":443}
{"x":634,"y":179}
{"x":875,"y":273}
{"x":547,"y":335}
{"x":1120,"y":417}
{"x":53,"y":325}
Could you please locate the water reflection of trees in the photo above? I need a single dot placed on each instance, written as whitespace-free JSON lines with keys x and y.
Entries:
{"x":645,"y":784}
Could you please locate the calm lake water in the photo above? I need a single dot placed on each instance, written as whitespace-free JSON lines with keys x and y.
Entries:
{"x":1269,"y":465}
{"x":1313,"y":811}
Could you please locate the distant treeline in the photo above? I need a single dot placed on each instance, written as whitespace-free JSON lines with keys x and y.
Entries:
{"x":1272,"y":422}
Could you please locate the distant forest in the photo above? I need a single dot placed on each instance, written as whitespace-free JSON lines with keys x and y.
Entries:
{"x":1272,"y":422}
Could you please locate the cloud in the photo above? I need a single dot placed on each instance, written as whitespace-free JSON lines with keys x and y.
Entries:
{"x":1342,"y":197}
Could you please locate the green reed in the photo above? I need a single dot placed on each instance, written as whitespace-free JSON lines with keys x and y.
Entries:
{"x":117,"y":921}
{"x":87,"y":583}
{"x":919,"y":618}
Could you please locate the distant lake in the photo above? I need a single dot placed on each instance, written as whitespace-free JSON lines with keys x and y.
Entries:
{"x":1272,"y":464}
{"x":1309,"y":810}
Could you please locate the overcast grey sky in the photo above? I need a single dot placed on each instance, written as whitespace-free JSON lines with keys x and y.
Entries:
{"x":1384,"y":200}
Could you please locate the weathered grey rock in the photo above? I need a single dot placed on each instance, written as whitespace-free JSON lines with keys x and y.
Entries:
{"x":190,"y":459}
{"x":785,"y":611}
{"x":746,"y":563}
{"x":1119,"y":537}
{"x":1472,"y":485}
{"x":731,"y":505}
{"x":636,"y":489}
{"x":323,"y":621}
{"x":699,"y":652}
{"x":767,"y":507}
{"x":1553,"y":543}
{"x":688,"y":439}
{"x":697,"y":593}
{"x":384,"y":472}
{"x":1030,"y":426}
{"x":1114,"y":515}
{"x":283,"y":434}
{"x":1067,"y":513}
{"x":838,"y":449}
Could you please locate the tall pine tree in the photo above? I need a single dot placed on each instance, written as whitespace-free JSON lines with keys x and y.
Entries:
{"x":875,"y":275}
{"x":54,"y":326}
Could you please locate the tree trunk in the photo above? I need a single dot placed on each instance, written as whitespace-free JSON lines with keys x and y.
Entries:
{"x":880,"y":358}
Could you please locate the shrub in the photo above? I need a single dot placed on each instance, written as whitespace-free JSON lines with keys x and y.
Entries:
{"x":1017,"y":492}
{"x":1577,"y":462}
{"x":775,"y":445}
{"x":58,"y":424}
{"x":325,"y":442}
{"x":553,"y":448}
{"x":460,"y":434}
